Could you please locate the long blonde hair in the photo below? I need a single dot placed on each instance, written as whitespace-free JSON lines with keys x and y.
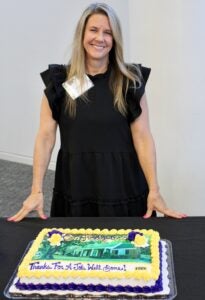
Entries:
{"x":120,"y":70}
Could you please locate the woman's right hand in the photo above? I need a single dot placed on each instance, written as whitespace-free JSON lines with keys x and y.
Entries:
{"x":34,"y":202}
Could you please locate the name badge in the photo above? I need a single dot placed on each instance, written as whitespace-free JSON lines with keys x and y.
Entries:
{"x":73,"y":88}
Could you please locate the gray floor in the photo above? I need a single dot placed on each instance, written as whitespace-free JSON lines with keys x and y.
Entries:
{"x":15,"y":185}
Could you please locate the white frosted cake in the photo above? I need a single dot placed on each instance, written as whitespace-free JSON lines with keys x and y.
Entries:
{"x":86,"y":262}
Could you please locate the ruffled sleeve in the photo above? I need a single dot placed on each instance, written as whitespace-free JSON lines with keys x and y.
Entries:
{"x":53,"y":78}
{"x":134,"y":95}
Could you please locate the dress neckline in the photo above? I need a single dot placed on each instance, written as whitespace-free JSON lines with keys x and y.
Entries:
{"x":100,"y":75}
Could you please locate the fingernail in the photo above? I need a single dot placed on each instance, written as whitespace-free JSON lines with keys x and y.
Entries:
{"x":145,"y":216}
{"x":44,"y":217}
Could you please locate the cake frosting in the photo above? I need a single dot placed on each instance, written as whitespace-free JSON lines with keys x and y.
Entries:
{"x":94,"y":262}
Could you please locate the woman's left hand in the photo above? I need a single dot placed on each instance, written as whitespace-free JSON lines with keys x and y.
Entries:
{"x":157,"y":203}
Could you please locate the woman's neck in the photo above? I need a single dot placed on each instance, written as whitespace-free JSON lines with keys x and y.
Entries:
{"x":96,"y":67}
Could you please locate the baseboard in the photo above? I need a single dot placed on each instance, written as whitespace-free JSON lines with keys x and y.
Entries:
{"x":22,"y":159}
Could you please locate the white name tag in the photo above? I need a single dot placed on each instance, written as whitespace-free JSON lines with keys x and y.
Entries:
{"x":73,"y":88}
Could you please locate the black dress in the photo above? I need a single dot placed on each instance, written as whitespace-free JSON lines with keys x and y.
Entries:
{"x":97,"y":170}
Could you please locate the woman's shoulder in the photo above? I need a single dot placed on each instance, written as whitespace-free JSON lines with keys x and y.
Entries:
{"x":53,"y":78}
{"x":54,"y":73}
{"x":135,"y":93}
{"x":139,"y":69}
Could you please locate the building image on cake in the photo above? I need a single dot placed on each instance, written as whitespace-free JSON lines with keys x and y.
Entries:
{"x":93,"y":250}
{"x":109,"y":250}
{"x":113,"y":251}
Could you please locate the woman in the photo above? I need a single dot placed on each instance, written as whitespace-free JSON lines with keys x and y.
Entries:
{"x":106,"y":165}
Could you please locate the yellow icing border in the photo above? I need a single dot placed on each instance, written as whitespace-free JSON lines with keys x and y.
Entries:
{"x":24,"y":271}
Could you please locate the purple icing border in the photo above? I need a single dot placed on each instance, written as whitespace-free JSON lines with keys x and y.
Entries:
{"x":94,"y":288}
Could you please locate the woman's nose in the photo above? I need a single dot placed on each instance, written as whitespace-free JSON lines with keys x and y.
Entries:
{"x":100,"y":36}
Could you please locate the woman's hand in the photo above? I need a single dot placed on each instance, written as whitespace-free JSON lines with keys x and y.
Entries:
{"x":33,"y":202}
{"x":157,"y":203}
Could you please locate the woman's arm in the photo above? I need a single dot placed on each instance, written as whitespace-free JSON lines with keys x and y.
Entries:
{"x":44,"y":143}
{"x":145,"y":148}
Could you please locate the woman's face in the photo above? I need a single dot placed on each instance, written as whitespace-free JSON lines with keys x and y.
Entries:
{"x":98,"y":40}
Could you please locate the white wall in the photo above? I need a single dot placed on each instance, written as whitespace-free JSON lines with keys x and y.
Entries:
{"x":171,"y":39}
{"x":166,"y":35}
